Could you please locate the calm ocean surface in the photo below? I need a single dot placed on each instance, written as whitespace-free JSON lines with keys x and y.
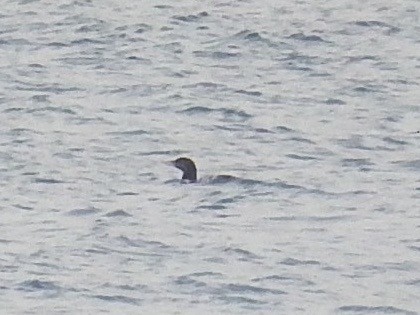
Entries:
{"x":313,"y":105}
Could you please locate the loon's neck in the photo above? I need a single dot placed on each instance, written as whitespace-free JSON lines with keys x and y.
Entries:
{"x":190,"y":175}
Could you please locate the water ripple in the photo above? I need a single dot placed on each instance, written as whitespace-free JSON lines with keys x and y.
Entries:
{"x":360,"y":309}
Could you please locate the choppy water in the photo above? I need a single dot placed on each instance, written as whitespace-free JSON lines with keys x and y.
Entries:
{"x":313,"y":105}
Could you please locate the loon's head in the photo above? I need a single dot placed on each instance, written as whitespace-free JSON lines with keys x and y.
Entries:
{"x":188,"y":168}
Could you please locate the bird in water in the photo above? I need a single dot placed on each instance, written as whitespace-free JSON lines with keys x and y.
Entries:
{"x":189,"y":172}
{"x":187,"y":166}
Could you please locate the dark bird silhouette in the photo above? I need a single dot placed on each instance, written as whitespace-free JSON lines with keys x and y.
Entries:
{"x":187,"y":166}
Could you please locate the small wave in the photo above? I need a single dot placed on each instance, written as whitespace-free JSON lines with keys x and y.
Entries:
{"x":357,"y":59}
{"x":230,"y":200}
{"x":244,"y":288}
{"x":198,"y":110}
{"x":38,"y":285}
{"x":118,"y":213}
{"x":13,"y":109}
{"x":142,"y":27}
{"x":300,"y":139}
{"x":240,"y":300}
{"x":243,"y":254}
{"x":51,"y":109}
{"x":334,"y":101}
{"x":206,"y":86}
{"x":216,"y":54}
{"x":163,"y":6}
{"x":369,"y":88}
{"x":394,"y":141}
{"x":43,"y":98}
{"x":285,"y":280}
{"x":186,"y":280}
{"x":136,"y":132}
{"x":80,"y":61}
{"x":303,"y":37}
{"x":356,"y":162}
{"x":250,"y":93}
{"x":82,"y":212}
{"x":252,"y":36}
{"x":228,"y":113}
{"x":207,"y":274}
{"x":48,"y":181}
{"x":241,"y":288}
{"x":142,"y":243}
{"x":378,"y":24}
{"x":284,"y":129}
{"x":130,"y":193}
{"x":84,"y":41}
{"x":301,"y":157}
{"x":415,"y":248}
{"x":117,"y":299}
{"x":235,"y":112}
{"x":212,"y":207}
{"x":58,"y":45}
{"x":53,"y":88}
{"x":311,"y":218}
{"x":413,"y":164}
{"x":415,"y":282}
{"x":139,"y":60}
{"x":171,"y":153}
{"x":262,"y":130}
{"x":232,"y":127}
{"x":15,"y":42}
{"x":36,"y":66}
{"x":191,"y":17}
{"x":19,"y":206}
{"x":297,"y":262}
{"x":361,"y":309}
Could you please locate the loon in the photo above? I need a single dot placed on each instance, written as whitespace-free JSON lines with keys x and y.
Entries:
{"x":187,"y":166}
{"x":189,"y":172}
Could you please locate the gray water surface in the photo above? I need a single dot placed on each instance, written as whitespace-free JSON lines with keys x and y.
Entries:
{"x":312,"y":105}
